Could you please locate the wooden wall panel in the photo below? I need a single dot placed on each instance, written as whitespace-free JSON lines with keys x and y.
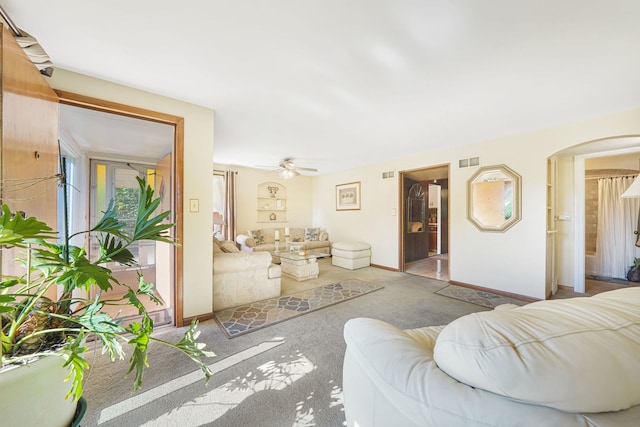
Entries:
{"x":29,"y":135}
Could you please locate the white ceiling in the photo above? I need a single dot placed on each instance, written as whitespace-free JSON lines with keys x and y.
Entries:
{"x":110,"y":135}
{"x":336,"y":84}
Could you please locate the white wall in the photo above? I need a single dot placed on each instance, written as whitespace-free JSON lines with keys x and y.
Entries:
{"x":198,"y":152}
{"x":299,"y":198}
{"x":513,"y":261}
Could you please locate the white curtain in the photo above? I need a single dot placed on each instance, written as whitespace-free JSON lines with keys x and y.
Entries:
{"x":617,"y":221}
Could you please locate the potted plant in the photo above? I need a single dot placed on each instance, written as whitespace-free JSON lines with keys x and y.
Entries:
{"x":633,"y":275}
{"x":38,"y":326}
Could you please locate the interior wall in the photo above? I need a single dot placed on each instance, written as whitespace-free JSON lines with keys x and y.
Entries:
{"x":198,"y":152}
{"x":299,"y":199}
{"x":513,"y":261}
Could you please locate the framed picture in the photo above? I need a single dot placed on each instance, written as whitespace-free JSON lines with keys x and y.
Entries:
{"x":348,"y":196}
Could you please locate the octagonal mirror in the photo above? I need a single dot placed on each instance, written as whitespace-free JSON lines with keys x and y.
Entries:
{"x":494,"y":198}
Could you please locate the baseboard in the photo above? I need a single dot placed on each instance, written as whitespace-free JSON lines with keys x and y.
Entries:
{"x":200,"y":318}
{"x":382,"y":267}
{"x":494,"y":291}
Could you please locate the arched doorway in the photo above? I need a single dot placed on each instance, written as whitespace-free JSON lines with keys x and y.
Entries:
{"x":568,"y":257}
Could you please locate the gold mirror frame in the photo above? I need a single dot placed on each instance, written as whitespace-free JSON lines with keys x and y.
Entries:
{"x":493,"y":198}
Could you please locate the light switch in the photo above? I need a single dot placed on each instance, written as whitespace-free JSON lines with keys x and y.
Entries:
{"x":194,"y":205}
{"x":393,"y":212}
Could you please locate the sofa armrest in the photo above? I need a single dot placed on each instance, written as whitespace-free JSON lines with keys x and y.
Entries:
{"x":247,"y":243}
{"x":240,"y":261}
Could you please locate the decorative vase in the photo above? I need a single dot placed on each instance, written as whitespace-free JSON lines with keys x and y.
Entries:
{"x":633,"y":275}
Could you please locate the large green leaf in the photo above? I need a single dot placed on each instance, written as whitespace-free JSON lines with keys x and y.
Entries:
{"x":147,"y":227}
{"x":77,"y":365}
{"x":15,"y":230}
{"x":83,"y":274}
{"x":139,"y":361}
{"x":110,"y":224}
{"x":116,"y":250}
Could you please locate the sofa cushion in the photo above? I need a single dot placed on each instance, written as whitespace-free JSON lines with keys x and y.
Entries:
{"x":296,"y":234}
{"x":216,"y":246}
{"x":576,"y":355}
{"x":257,"y":236}
{"x":351,"y":246}
{"x":229,"y":247}
{"x":311,"y":234}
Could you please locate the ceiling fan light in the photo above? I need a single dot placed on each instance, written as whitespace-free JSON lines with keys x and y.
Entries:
{"x":286,"y":174}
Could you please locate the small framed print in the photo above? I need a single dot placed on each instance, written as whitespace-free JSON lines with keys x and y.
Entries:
{"x":348,"y":196}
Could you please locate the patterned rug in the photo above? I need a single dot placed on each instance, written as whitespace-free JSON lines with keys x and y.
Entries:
{"x":474,"y":296}
{"x":250,"y":317}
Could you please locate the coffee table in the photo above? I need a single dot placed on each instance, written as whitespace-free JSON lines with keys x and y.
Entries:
{"x":300,"y":265}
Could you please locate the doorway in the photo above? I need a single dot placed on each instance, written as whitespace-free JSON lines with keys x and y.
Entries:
{"x":575,"y":253}
{"x":120,"y":152}
{"x":424,"y":224}
{"x":116,"y":181}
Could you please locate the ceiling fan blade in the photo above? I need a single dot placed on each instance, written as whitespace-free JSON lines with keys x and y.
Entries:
{"x":307,"y":169}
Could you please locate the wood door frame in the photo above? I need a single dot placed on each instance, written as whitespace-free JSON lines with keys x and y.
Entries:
{"x":177,"y":122}
{"x":401,"y":207}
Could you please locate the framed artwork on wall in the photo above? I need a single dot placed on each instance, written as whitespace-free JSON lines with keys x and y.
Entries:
{"x":348,"y":196}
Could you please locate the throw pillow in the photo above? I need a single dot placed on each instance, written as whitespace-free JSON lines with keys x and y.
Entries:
{"x":311,"y":234}
{"x":228,"y":247}
{"x":216,"y":246}
{"x":257,"y":236}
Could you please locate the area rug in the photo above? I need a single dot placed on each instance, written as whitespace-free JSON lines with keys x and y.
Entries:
{"x":250,"y":317}
{"x":474,"y":296}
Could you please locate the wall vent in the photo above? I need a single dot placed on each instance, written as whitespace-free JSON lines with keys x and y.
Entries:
{"x":388,"y":175}
{"x":473,"y":161}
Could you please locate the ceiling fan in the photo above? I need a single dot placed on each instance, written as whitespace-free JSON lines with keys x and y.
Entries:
{"x":287,"y":169}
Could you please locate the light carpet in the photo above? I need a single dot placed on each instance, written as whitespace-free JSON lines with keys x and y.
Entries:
{"x":478,"y":297}
{"x":240,"y":320}
{"x":286,"y":375}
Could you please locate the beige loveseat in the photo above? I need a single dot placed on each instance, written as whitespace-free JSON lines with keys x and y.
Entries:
{"x":263,"y":240}
{"x":573,"y":362}
{"x":240,"y":277}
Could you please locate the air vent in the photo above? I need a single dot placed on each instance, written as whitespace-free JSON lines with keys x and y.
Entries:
{"x":473,"y":161}
{"x":388,"y":175}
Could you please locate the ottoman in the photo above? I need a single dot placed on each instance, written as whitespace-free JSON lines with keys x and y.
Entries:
{"x":351,"y":255}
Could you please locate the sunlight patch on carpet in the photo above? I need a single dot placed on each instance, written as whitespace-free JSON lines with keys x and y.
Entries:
{"x":260,"y":314}
{"x":477,"y":297}
{"x":149,"y":396}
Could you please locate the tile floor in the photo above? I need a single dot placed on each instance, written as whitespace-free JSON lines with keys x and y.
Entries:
{"x":433,"y":267}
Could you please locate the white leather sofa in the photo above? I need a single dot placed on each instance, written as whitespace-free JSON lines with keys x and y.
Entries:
{"x":241,"y":278}
{"x":573,"y":362}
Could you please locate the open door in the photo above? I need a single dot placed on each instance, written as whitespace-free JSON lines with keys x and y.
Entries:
{"x":29,"y":130}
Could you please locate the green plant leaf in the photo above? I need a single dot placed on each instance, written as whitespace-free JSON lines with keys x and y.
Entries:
{"x":84,"y":274}
{"x":77,"y":365}
{"x":10,"y":283}
{"x":16,"y":230}
{"x":189,"y":345}
{"x":195,"y":350}
{"x":110,"y":224}
{"x":147,"y":228}
{"x":115,"y":249}
{"x":140,"y":342}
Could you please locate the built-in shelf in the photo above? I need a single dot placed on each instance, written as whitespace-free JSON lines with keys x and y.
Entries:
{"x":271,"y":202}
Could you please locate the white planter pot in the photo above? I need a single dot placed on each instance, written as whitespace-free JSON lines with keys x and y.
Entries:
{"x":33,"y":394}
